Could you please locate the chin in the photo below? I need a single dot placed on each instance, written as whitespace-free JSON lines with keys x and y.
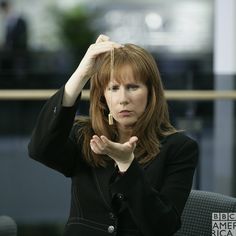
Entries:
{"x":128,"y":123}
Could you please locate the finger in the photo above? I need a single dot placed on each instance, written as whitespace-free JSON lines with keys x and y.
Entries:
{"x":133,"y":140}
{"x":99,"y":143}
{"x":105,"y":46}
{"x":92,"y":146}
{"x":108,"y":144}
{"x":105,"y":140}
{"x":111,"y":148}
{"x":102,"y":38}
{"x":96,"y":49}
{"x":95,"y":147}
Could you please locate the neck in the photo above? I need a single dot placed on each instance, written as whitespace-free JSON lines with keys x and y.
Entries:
{"x":124,"y":134}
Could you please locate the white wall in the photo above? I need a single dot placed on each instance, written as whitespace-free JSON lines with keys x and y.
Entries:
{"x":43,"y":28}
{"x":41,"y":22}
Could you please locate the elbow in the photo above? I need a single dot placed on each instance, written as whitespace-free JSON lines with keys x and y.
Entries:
{"x":34,"y":151}
{"x":165,"y":224}
{"x":171,"y":223}
{"x":31,"y":151}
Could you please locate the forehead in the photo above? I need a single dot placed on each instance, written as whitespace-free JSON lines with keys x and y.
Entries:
{"x":124,"y":74}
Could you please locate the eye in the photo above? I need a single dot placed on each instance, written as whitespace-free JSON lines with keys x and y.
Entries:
{"x":132,"y":86}
{"x":113,"y":88}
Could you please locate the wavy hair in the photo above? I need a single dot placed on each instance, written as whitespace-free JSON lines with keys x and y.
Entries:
{"x":154,"y":123}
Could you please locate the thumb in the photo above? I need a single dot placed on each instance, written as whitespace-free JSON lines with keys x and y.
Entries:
{"x":133,"y":140}
{"x":102,"y":38}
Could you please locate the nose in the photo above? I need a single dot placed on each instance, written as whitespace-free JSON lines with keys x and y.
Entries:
{"x":124,"y":100}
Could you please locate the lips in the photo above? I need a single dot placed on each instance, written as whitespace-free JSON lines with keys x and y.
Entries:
{"x":125,"y":113}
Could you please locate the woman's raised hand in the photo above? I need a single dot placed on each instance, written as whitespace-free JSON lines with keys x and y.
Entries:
{"x":86,"y":69}
{"x":102,"y":45}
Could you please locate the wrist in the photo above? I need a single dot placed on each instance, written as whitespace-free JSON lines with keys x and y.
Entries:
{"x":124,"y":165}
{"x":80,"y":75}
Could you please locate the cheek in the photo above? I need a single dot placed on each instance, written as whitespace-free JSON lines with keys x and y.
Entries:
{"x":109,"y":100}
{"x":106,"y":97}
{"x":142,"y":102}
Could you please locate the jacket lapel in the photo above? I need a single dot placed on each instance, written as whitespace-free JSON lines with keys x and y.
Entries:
{"x":102,"y":177}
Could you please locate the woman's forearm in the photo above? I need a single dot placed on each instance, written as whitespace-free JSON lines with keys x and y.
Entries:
{"x":73,"y":88}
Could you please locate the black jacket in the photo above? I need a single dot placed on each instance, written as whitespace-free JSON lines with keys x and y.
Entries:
{"x":147,"y":200}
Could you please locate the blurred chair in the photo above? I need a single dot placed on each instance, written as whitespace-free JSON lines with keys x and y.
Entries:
{"x":197,"y":214}
{"x":8,"y":226}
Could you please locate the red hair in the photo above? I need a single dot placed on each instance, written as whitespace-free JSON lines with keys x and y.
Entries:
{"x":151,"y":126}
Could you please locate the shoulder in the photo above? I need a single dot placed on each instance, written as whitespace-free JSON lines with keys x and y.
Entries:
{"x":82,"y":126}
{"x":178,"y":138}
{"x":82,"y":122}
{"x":180,"y":144}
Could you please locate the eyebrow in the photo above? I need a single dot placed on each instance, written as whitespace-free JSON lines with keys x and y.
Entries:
{"x":130,"y":83}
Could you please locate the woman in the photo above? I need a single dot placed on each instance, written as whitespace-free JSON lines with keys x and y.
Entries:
{"x":131,"y":177}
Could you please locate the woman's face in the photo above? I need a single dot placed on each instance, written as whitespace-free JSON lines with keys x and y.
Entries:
{"x":126,"y":101}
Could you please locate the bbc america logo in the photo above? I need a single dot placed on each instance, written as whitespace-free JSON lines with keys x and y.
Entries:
{"x":224,"y":224}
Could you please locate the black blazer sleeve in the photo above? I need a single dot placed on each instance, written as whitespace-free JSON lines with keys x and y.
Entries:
{"x":51,"y":142}
{"x":157,"y":210}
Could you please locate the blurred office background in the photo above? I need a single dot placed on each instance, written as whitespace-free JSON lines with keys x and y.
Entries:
{"x":193,"y":42}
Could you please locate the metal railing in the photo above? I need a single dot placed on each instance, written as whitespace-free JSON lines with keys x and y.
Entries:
{"x":197,"y":95}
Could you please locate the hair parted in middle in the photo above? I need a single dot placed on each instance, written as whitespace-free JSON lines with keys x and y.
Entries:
{"x":153,"y":124}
